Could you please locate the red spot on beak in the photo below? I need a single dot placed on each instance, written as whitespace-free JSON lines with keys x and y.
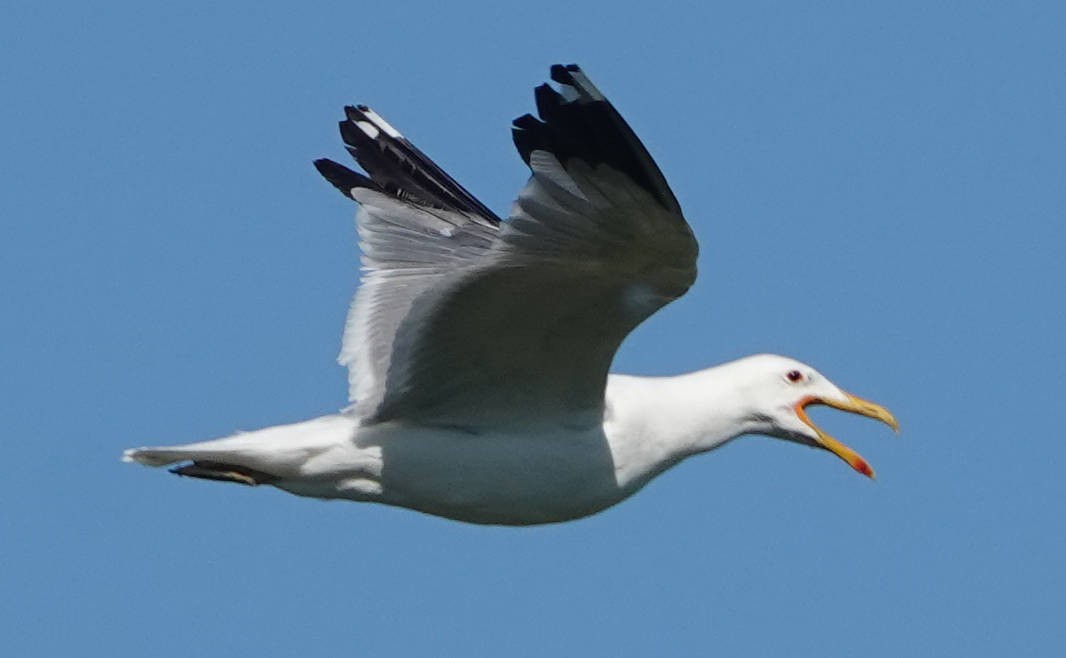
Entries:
{"x":861,"y":466}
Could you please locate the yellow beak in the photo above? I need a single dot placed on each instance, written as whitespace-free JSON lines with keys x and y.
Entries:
{"x":856,"y":406}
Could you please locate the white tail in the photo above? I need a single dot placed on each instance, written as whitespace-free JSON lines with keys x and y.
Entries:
{"x":279,"y":450}
{"x":155,"y":456}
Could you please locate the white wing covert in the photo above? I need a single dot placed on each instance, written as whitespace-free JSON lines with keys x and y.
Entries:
{"x":463,"y":321}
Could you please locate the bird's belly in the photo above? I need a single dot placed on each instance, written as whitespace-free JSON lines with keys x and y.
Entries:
{"x":511,"y":479}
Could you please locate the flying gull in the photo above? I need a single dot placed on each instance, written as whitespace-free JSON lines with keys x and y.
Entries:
{"x":478,"y":349}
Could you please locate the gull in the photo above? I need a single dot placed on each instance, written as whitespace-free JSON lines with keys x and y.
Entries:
{"x":479,"y":349}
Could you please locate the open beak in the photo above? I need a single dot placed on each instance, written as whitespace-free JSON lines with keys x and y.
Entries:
{"x":856,"y":406}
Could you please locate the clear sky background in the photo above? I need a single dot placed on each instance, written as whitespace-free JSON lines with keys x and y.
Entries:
{"x":877,"y":191}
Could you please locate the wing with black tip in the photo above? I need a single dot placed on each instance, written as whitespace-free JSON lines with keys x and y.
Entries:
{"x":464,"y":321}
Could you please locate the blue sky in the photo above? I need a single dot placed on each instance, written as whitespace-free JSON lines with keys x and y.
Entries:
{"x":877,"y":191}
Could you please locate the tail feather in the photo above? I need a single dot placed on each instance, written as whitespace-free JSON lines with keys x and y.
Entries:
{"x":155,"y":456}
{"x":235,"y":448}
{"x":273,"y":452}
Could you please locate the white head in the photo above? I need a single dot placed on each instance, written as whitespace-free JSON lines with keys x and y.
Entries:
{"x":777,"y":391}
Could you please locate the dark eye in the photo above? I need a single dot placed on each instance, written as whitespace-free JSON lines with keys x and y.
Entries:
{"x":794,"y":376}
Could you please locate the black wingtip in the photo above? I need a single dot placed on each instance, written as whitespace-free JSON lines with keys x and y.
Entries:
{"x":547,"y":100}
{"x":563,"y":74}
{"x":343,"y":178}
{"x":355,"y":112}
{"x":580,"y":123}
{"x":395,"y":167}
{"x":526,"y":132}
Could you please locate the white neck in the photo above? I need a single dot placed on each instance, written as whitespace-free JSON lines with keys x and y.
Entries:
{"x":654,"y":422}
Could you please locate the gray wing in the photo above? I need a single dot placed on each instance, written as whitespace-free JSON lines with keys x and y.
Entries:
{"x":464,"y":321}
